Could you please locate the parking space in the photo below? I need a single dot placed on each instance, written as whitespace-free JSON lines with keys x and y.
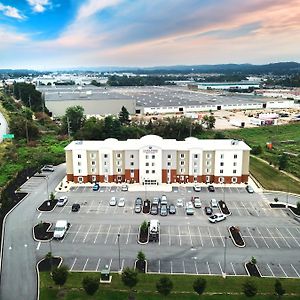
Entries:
{"x":32,"y":183}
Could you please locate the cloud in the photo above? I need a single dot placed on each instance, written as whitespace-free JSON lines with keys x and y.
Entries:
{"x":39,"y":6}
{"x":11,"y":12}
{"x":92,"y":7}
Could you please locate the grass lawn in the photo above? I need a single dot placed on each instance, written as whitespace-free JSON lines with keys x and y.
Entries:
{"x":271,"y":178}
{"x":216,"y":285}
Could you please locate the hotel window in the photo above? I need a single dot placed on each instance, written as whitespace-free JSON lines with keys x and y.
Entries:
{"x":79,"y":171}
{"x":208,"y":163}
{"x":147,"y":171}
{"x":119,"y":170}
{"x":221,"y":164}
{"x":132,"y":163}
{"x":79,"y":163}
{"x":93,"y":170}
{"x":169,"y":156}
{"x":153,"y":171}
{"x":234,"y":164}
{"x":93,"y":163}
{"x":153,"y":156}
{"x":147,"y":164}
{"x":235,"y":156}
{"x":221,"y":171}
{"x":147,"y":156}
{"x":208,"y":155}
{"x":131,"y":156}
{"x":195,"y":156}
{"x":131,"y":172}
{"x":118,"y":163}
{"x":118,"y":155}
{"x":182,"y":163}
{"x":207,"y":170}
{"x":153,"y":164}
{"x":182,"y":155}
{"x":105,"y":170}
{"x":234,"y":171}
{"x":93,"y":155}
{"x":181,"y":170}
{"x":222,"y":156}
{"x":168,"y":171}
{"x":79,"y":156}
{"x":195,"y":170}
{"x":105,"y":163}
{"x":168,"y":163}
{"x":105,"y":155}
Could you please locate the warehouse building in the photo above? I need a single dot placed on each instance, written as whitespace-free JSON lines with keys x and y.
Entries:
{"x":154,"y":160}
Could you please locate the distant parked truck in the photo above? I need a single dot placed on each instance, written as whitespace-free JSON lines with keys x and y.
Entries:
{"x":237,"y":123}
{"x":268,"y":116}
{"x":256,"y":121}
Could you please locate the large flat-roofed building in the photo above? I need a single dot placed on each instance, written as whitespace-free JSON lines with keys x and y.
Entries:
{"x":154,"y":160}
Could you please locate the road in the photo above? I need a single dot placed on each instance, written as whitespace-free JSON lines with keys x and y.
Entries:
{"x":18,"y":274}
{"x":3,"y":126}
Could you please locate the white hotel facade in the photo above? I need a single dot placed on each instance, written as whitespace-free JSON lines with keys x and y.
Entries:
{"x":154,"y":160}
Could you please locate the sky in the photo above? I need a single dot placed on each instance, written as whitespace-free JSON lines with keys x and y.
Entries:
{"x":56,"y":34}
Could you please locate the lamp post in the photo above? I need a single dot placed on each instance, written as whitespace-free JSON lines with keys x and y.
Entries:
{"x":46,"y":178}
{"x":225,"y":248}
{"x":119,"y":252}
{"x":51,"y":262}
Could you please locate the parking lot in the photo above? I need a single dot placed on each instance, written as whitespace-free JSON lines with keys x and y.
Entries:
{"x":95,"y":229}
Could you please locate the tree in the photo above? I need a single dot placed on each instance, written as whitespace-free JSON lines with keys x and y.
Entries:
{"x":21,"y":127}
{"x":283,"y":161}
{"x":219,"y":135}
{"x":124,"y":116}
{"x":253,"y":260}
{"x":256,"y":150}
{"x":73,"y":119}
{"x":144,"y":227}
{"x":90,"y":284}
{"x":60,"y":275}
{"x":209,"y":121}
{"x":129,"y":277}
{"x":279,"y":290}
{"x":141,"y":256}
{"x":164,"y":286}
{"x":199,"y":285}
{"x":249,"y":288}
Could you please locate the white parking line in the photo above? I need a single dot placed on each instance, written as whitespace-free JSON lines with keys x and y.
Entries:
{"x":252,"y":237}
{"x":292,"y":236}
{"x":262,"y":237}
{"x":110,"y":264}
{"x":221,"y":237}
{"x":254,"y":208}
{"x":98,"y":263}
{"x":86,"y":234}
{"x":38,"y":246}
{"x":179,"y":236}
{"x":85,"y":264}
{"x":97,"y":234}
{"x":122,"y":264}
{"x":208,"y":268}
{"x":98,"y":207}
{"x":237,"y":208}
{"x":73,"y":264}
{"x":128,"y":234}
{"x":107,"y":235}
{"x":196,"y":267}
{"x":159,"y":266}
{"x":68,"y":230}
{"x":183,"y":266}
{"x":295,"y":270}
{"x":282,"y":270}
{"x":171,"y":267}
{"x":233,"y":268}
{"x":76,"y":234}
{"x":270,"y":270}
{"x":210,"y":237}
{"x":39,"y":215}
{"x":220,"y":267}
{"x":272,"y":237}
{"x":283,"y":238}
{"x":200,"y":236}
{"x":116,"y":240}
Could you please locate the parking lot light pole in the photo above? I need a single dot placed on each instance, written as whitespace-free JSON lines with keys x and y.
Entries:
{"x":119,"y":252}
{"x":46,"y":178}
{"x":224,"y":267}
{"x":51,"y":262}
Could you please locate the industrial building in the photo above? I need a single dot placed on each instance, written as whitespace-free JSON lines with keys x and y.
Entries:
{"x":154,"y":160}
{"x":242,"y":85}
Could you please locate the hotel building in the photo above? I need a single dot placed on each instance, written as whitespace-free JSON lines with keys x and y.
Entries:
{"x":154,"y":160}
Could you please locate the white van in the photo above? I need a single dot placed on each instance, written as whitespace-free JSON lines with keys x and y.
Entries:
{"x":154,"y":230}
{"x":60,"y":229}
{"x":214,"y":203}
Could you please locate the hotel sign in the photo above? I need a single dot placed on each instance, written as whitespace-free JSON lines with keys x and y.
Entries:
{"x":150,"y":150}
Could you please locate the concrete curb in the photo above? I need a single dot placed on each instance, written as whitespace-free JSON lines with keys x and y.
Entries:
{"x":37,"y":240}
{"x":146,"y":265}
{"x":234,"y":240}
{"x":46,"y":211}
{"x":256,"y":268}
{"x":139,"y":236}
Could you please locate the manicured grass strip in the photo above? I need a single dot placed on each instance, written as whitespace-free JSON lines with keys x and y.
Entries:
{"x":272,"y":179}
{"x":182,"y":287}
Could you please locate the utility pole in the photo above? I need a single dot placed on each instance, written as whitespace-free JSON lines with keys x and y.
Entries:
{"x":119,"y":252}
{"x":225,"y":248}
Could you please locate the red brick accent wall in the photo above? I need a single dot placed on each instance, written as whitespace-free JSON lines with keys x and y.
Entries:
{"x":164,"y":176}
{"x":70,"y":177}
{"x":84,"y":179}
{"x":245,"y":178}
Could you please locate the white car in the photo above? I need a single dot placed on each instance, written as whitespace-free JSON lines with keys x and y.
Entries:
{"x":124,"y":188}
{"x":113,"y":201}
{"x":249,"y":189}
{"x":179,"y":203}
{"x":62,"y":201}
{"x":214,"y":203}
{"x":163,"y":200}
{"x":189,"y":209}
{"x":197,"y":202}
{"x":121,"y":202}
{"x":197,"y":188}
{"x":217,"y":217}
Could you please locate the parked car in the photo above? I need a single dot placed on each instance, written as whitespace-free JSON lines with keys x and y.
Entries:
{"x":164,"y":210}
{"x":121,"y":202}
{"x":60,"y":229}
{"x":163,"y":200}
{"x":138,"y":208}
{"x":62,"y":201}
{"x":96,"y":187}
{"x":113,"y":201}
{"x":249,"y":189}
{"x":197,"y":202}
{"x":179,"y":203}
{"x":124,"y":188}
{"x":197,"y":188}
{"x":47,"y":168}
{"x":172,"y":209}
{"x":208,"y":210}
{"x":75,"y":207}
{"x":214,"y":203}
{"x":211,"y":188}
{"x":189,"y":209}
{"x":217,"y":217}
{"x":156,"y":201}
{"x":138,"y":201}
{"x":154,"y":209}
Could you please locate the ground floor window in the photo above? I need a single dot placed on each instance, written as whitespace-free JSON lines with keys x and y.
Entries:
{"x":221,"y":179}
{"x":234,"y":180}
{"x":207,"y":179}
{"x":94,"y":178}
{"x":80,"y":179}
{"x":150,"y":182}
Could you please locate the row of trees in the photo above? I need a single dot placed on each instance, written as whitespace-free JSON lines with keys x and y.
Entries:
{"x":137,"y":81}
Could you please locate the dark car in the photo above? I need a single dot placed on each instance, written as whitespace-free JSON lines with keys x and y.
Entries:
{"x":154,"y":209}
{"x":164,"y":210}
{"x":75,"y":207}
{"x":172,"y":209}
{"x":96,"y":187}
{"x":208,"y":210}
{"x":211,"y":188}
